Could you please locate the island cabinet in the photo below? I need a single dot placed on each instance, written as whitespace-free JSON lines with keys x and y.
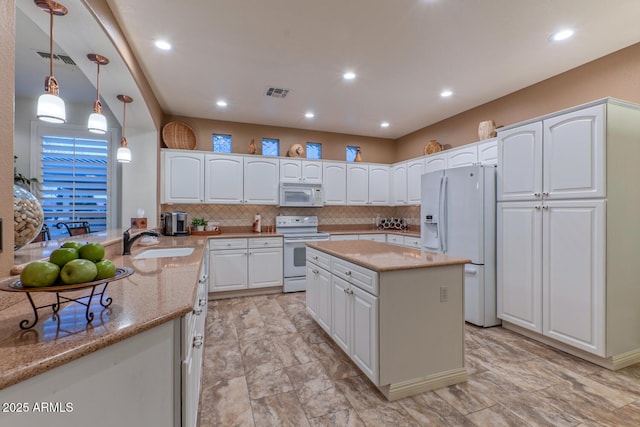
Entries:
{"x":398,"y":313}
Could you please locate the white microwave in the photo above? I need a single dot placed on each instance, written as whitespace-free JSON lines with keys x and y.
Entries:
{"x":301,"y":195}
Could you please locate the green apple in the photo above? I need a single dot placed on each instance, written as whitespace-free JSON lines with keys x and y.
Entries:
{"x":78,"y":271}
{"x":61,"y":256}
{"x":39,"y":274}
{"x":106,"y":269}
{"x":92,"y":251}
{"x":74,"y":245}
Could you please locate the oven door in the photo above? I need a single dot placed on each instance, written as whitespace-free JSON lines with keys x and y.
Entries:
{"x":295,"y":255}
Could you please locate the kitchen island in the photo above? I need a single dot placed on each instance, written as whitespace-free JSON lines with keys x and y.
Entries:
{"x":124,"y":367}
{"x":397,"y":312}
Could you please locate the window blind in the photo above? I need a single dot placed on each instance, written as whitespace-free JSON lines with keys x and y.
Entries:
{"x":74,"y":181}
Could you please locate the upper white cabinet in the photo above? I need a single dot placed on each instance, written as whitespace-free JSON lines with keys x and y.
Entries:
{"x":367,"y":184}
{"x":399,"y":184}
{"x":224,"y":178}
{"x":415,"y":169}
{"x":562,"y":157}
{"x":297,"y":170}
{"x":488,"y":152}
{"x":261,"y":180}
{"x":182,"y":173}
{"x":435,"y":162}
{"x":467,"y":155}
{"x":334,"y":183}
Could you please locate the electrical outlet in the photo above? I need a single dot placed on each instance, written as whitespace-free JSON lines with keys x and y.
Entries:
{"x":444,"y":294}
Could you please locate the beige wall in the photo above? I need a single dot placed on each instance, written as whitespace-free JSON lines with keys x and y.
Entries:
{"x":7,"y":59}
{"x":377,"y":150}
{"x":616,"y":75}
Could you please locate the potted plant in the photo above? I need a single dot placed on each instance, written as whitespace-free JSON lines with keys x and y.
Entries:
{"x":198,"y":224}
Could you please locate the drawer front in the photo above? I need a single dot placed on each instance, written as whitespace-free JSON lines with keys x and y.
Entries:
{"x":373,"y":237}
{"x":344,"y":237}
{"x":395,"y":239}
{"x":319,"y":258}
{"x":217,"y":244}
{"x":265,"y":242}
{"x":361,"y":277}
{"x":413,"y":242}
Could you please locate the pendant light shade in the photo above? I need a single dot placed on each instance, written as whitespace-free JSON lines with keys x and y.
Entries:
{"x":97,"y":121}
{"x":50,"y":106}
{"x":124,"y":153}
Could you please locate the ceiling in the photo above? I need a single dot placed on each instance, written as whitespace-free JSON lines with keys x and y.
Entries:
{"x":405,"y":52}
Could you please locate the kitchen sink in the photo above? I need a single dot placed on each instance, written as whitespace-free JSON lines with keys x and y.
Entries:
{"x":164,"y":253}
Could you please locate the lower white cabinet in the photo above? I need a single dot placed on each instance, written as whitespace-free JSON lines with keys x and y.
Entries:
{"x":373,"y":237}
{"x":245,"y":263}
{"x":354,"y":314}
{"x":344,"y":237}
{"x":551,"y":270}
{"x":318,"y":295}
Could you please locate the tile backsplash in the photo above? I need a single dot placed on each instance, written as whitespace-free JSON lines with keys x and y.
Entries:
{"x":242,"y":215}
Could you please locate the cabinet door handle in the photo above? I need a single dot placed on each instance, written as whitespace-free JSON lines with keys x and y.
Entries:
{"x":202,"y":302}
{"x":537,"y":207}
{"x":545,"y":194}
{"x":545,"y":207}
{"x":198,"y":340}
{"x":315,"y":258}
{"x":348,"y":273}
{"x":536,"y":194}
{"x":315,"y":271}
{"x":197,"y":311}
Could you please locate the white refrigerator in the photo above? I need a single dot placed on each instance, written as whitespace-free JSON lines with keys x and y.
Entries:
{"x":458,"y":214}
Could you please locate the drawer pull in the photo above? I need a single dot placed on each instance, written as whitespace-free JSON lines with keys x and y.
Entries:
{"x":197,"y":311}
{"x":315,"y":271}
{"x":348,"y":273}
{"x":315,"y":258}
{"x":202,"y":302}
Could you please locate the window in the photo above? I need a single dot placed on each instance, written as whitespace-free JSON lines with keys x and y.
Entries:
{"x":314,"y":150}
{"x":351,"y":153}
{"x":74,"y":176}
{"x":221,"y":143}
{"x":270,"y":147}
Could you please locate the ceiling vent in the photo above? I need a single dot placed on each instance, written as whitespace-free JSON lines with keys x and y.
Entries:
{"x":277,"y":92}
{"x":57,"y":59}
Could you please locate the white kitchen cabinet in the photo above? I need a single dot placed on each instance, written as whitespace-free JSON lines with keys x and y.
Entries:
{"x":238,"y":263}
{"x":467,"y":155}
{"x":488,"y":152}
{"x":182,"y":176}
{"x":378,"y":185}
{"x":519,"y":264}
{"x":265,"y":267}
{"x":395,"y":239}
{"x":378,"y":237}
{"x":574,"y":155}
{"x":334,"y":183}
{"x":297,"y":170}
{"x":415,"y":169}
{"x":520,"y":163}
{"x":224,"y":178}
{"x":261,"y":181}
{"x":399,"y":184}
{"x":340,"y":314}
{"x":318,"y":298}
{"x":412,"y":242}
{"x":435,"y":162}
{"x":567,"y":268}
{"x":357,"y":184}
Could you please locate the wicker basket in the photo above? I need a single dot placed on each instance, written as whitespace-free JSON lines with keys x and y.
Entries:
{"x":179,"y":136}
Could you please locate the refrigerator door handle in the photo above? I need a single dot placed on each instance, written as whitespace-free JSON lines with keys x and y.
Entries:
{"x":442,"y":220}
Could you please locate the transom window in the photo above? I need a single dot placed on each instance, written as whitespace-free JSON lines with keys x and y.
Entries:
{"x":314,"y":150}
{"x":221,"y":143}
{"x":270,"y":147}
{"x":352,"y":150}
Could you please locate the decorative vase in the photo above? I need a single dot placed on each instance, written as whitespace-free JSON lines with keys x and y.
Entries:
{"x":486,"y":129}
{"x":358,"y":155}
{"x":27,"y":217}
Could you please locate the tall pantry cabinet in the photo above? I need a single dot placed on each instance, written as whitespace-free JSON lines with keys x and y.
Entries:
{"x":568,"y":237}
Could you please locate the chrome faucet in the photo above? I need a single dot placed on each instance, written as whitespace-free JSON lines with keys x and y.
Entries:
{"x":127,"y":240}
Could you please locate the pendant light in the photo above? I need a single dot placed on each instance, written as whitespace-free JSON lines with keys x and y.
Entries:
{"x":124,"y":154}
{"x":97,"y":121}
{"x":50,"y":105}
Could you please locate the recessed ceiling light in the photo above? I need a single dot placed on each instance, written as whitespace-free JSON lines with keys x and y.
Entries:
{"x":562,"y":35}
{"x":221,"y":103}
{"x":384,"y":124}
{"x":446,"y":93}
{"x":162,"y":44}
{"x":349,"y":75}
{"x":309,"y":115}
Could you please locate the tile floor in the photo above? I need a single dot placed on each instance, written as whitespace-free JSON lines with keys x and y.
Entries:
{"x":266,"y":363}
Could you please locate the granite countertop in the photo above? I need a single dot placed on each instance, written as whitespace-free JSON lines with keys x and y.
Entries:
{"x":383,"y":257}
{"x":160,"y":289}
